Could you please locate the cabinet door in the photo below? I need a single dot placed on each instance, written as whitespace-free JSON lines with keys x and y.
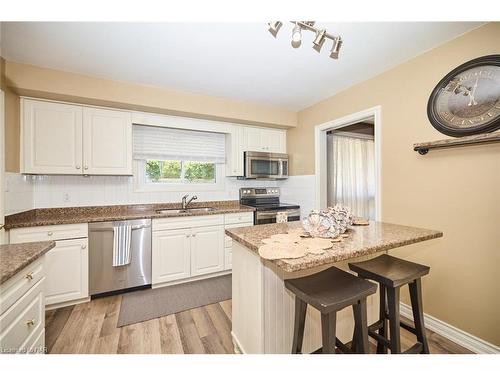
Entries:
{"x":234,"y":150}
{"x":51,"y":138}
{"x":207,"y":250}
{"x":252,"y":139}
{"x":274,"y":140}
{"x":171,"y":258}
{"x":67,"y":271}
{"x":107,"y":142}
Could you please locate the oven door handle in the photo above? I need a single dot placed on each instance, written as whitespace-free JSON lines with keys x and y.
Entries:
{"x":272,"y":214}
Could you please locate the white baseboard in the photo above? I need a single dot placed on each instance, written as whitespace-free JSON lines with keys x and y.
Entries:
{"x":462,"y":338}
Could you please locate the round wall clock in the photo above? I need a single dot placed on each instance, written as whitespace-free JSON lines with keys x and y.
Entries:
{"x":467,"y":100}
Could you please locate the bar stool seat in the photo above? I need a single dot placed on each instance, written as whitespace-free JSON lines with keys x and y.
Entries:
{"x":389,"y":270}
{"x":329,"y":291}
{"x":391,"y":273}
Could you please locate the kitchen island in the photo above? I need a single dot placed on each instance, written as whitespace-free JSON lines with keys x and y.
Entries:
{"x":263,"y":309}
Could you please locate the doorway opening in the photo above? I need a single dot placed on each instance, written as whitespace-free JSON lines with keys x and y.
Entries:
{"x":348,"y":163}
{"x":351,"y":168}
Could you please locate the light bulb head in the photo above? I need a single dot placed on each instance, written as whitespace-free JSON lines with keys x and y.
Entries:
{"x":296,"y":36}
{"x":337,"y":43}
{"x":274,"y":27}
{"x":319,"y":40}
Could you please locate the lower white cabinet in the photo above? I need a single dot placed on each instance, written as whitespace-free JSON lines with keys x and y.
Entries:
{"x":187,"y":247}
{"x":67,"y":271}
{"x":67,"y":264}
{"x":207,"y":250}
{"x":22,"y":314}
{"x":171,"y":256}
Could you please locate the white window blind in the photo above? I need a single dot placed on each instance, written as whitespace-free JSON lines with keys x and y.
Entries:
{"x":158,"y":143}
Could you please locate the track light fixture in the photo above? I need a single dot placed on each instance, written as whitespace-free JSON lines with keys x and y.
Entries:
{"x":334,"y":53}
{"x":274,"y":27}
{"x":319,"y":39}
{"x":296,"y":36}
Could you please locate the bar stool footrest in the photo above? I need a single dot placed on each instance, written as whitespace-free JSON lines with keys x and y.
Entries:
{"x":339,"y":346}
{"x":415,"y":349}
{"x":408,"y":327}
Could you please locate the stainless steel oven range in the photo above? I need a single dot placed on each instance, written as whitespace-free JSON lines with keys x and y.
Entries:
{"x":267,"y":204}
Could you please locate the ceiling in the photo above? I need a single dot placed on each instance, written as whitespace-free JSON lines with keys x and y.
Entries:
{"x":240,"y":61}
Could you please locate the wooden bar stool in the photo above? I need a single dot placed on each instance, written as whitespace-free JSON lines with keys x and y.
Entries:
{"x":391,"y":273}
{"x":330,"y":291}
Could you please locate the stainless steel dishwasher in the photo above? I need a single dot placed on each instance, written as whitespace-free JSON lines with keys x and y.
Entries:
{"x":104,"y":278}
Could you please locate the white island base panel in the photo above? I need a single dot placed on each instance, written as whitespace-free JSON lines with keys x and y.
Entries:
{"x":263,"y":309}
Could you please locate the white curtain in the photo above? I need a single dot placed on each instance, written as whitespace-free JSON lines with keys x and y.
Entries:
{"x":351,"y":173}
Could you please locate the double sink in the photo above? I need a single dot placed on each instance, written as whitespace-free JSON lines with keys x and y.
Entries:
{"x":174,"y":211}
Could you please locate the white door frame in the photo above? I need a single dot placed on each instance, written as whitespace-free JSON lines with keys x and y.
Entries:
{"x":2,"y":167}
{"x":321,"y":157}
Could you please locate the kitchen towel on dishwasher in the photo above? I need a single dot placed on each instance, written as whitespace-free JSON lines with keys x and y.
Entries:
{"x":121,"y":245}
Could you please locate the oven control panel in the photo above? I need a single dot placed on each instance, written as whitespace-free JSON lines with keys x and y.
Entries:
{"x":259,"y":192}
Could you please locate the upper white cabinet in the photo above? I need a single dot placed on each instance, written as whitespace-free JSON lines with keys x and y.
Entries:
{"x":51,"y":138}
{"x":264,"y":140}
{"x":234,"y":151}
{"x":107,"y":142}
{"x":59,"y":138}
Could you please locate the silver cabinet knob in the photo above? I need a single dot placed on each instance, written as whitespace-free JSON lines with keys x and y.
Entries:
{"x":85,"y":167}
{"x":49,"y":233}
{"x":84,"y":246}
{"x":77,"y":167}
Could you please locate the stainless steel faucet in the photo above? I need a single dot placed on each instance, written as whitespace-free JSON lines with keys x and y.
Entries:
{"x":186,"y":203}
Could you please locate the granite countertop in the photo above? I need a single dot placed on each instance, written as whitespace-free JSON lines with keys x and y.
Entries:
{"x":73,"y":215}
{"x":13,"y":258}
{"x":362,"y":240}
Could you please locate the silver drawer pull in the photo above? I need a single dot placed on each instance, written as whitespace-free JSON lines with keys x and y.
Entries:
{"x":77,"y":167}
{"x":84,"y":246}
{"x":30,"y":323}
{"x":49,"y":233}
{"x":29,"y":276}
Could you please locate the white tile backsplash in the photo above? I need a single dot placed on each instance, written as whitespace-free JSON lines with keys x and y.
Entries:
{"x":299,"y":190}
{"x":19,"y":193}
{"x":27,"y":192}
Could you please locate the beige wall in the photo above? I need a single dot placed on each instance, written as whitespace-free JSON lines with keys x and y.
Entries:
{"x":28,"y":80}
{"x":454,"y":190}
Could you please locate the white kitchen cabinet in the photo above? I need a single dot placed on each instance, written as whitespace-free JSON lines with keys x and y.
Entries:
{"x":234,"y":151}
{"x":60,"y":138}
{"x":171,"y":255}
{"x":51,"y":137}
{"x":264,"y":140}
{"x":107,"y":142}
{"x":207,"y":250}
{"x":66,"y":265}
{"x":67,"y":271}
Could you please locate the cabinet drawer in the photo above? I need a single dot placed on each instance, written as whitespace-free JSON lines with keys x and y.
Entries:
{"x":20,"y":325}
{"x":48,"y":232}
{"x":38,"y":344}
{"x":19,"y":284}
{"x":228,"y":241}
{"x":187,"y":222}
{"x":241,"y":217}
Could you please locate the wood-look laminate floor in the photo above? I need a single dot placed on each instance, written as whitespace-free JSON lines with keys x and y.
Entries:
{"x":91,"y":328}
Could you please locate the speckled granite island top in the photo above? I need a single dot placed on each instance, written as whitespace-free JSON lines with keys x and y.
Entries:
{"x":13,"y":258}
{"x":362,"y":240}
{"x":89,"y":214}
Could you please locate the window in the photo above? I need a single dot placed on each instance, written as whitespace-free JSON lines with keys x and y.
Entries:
{"x":177,"y":159}
{"x":174,"y":171}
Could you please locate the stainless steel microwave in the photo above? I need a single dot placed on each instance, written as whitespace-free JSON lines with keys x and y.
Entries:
{"x":266,"y":165}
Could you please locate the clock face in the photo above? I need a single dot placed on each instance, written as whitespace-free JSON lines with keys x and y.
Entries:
{"x":467,"y":100}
